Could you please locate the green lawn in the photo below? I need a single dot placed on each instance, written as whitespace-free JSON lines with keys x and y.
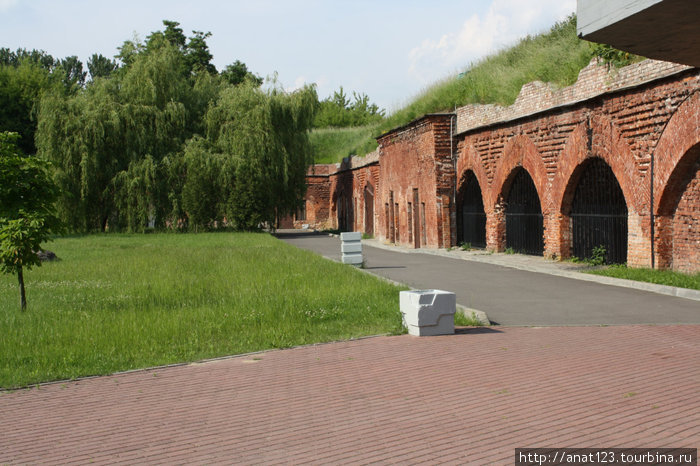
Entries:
{"x":660,"y":277}
{"x":119,"y":302}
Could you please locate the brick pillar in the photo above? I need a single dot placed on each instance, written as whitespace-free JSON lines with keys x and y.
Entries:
{"x":552,"y":235}
{"x":638,"y":241}
{"x":663,"y":241}
{"x":496,"y":229}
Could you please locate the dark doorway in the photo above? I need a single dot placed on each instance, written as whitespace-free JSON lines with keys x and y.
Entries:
{"x":524,"y":222}
{"x":343,"y":213}
{"x":471,"y":220}
{"x":369,"y":210}
{"x":599,"y":215}
{"x":417,"y":232}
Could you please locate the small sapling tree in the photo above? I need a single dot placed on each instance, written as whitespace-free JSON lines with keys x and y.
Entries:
{"x":27,"y":194}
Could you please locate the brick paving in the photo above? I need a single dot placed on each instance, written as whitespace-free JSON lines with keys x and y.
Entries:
{"x":470,"y":398}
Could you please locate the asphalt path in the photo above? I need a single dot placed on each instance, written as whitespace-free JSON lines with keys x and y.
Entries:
{"x":514,"y":297}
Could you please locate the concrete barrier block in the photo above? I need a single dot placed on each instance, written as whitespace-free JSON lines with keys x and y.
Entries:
{"x":428,"y":312}
{"x":351,"y":236}
{"x":354,"y":259}
{"x":351,"y":247}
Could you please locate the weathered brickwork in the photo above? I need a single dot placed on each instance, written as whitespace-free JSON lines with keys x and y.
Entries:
{"x":417,"y":181}
{"x":643,"y":121}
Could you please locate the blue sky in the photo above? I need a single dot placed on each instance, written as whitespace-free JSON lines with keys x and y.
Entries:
{"x":388,"y":49}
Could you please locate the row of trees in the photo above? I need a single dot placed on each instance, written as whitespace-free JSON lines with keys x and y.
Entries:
{"x":161,"y":138}
{"x":339,"y":111}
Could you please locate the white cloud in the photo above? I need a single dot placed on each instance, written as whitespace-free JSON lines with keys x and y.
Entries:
{"x":7,"y":4}
{"x":502,"y":24}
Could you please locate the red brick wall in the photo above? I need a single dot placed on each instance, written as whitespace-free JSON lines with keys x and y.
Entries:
{"x":653,"y":124}
{"x":624,"y":129}
{"x":417,"y":156}
{"x":686,"y":225}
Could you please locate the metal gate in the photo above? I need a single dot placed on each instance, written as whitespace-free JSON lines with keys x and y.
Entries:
{"x":524,"y":223}
{"x":473,"y":218}
{"x":599,"y":215}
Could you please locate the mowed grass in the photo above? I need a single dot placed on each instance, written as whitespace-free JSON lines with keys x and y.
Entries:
{"x":120,"y":302}
{"x":660,"y":277}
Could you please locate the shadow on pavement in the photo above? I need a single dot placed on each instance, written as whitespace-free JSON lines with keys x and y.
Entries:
{"x":295,"y":234}
{"x":386,"y":267}
{"x":475,"y":330}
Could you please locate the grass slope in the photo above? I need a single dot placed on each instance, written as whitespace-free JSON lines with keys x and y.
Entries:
{"x":331,"y":145}
{"x":119,"y":302}
{"x":556,"y":57}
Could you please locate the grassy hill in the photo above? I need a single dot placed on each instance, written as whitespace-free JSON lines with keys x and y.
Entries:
{"x":330,"y":145}
{"x":555,"y":56}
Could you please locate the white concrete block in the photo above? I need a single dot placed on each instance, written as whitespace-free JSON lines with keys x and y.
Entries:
{"x":354,"y":259}
{"x":351,"y":236}
{"x":351,"y":247}
{"x":428,"y":312}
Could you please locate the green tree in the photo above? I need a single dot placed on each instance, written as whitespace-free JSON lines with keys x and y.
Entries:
{"x":21,"y":87}
{"x":339,"y":111}
{"x":73,"y":74}
{"x":110,"y":126}
{"x":202,"y":190}
{"x":166,"y":141}
{"x":237,"y":73}
{"x":265,"y":134}
{"x":26,"y":210}
{"x":129,"y":50}
{"x":100,"y":66}
{"x":38,"y":57}
{"x":198,"y":55}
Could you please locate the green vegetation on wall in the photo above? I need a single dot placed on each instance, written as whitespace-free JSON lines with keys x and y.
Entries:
{"x":330,"y":145}
{"x":556,"y":57}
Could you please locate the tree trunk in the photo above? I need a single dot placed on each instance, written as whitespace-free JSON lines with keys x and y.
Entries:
{"x":22,"y":295}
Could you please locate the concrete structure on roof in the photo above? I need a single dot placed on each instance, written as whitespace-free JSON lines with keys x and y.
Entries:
{"x":660,"y":29}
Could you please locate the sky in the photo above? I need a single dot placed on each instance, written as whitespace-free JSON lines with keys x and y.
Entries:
{"x":391,"y":50}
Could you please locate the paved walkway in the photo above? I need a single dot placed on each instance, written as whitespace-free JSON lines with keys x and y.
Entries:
{"x":515,"y":289}
{"x":469,"y":398}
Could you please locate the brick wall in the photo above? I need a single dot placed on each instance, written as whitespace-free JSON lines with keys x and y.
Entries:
{"x":641,"y":120}
{"x":624,"y":128}
{"x":416,"y":187}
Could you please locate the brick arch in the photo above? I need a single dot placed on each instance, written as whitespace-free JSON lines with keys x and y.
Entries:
{"x":676,"y":156}
{"x":604,"y":141}
{"x":520,"y":151}
{"x":469,"y":160}
{"x":598,"y":138}
{"x":673,"y":150}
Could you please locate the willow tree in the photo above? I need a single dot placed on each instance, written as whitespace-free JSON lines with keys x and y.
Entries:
{"x":112,"y":125}
{"x":82,"y":136}
{"x":265,"y":134}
